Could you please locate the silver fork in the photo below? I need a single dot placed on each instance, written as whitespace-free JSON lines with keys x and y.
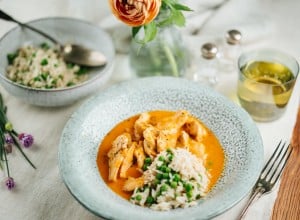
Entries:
{"x":269,"y":175}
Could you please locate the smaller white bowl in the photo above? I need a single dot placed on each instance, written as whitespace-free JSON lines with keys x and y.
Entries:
{"x":66,"y":30}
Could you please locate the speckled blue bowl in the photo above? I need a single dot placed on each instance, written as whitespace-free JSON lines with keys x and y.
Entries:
{"x":90,"y":123}
{"x":66,"y":30}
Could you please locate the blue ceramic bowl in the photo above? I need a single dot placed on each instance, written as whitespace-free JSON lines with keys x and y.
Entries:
{"x":66,"y":30}
{"x":84,"y":132}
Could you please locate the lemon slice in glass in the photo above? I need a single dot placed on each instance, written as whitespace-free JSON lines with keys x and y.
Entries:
{"x":277,"y":86}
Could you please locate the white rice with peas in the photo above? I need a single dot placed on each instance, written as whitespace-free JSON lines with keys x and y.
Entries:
{"x":175,"y":178}
{"x":43,"y":67}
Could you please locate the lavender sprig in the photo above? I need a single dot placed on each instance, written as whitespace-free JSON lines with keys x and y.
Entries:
{"x":8,"y":138}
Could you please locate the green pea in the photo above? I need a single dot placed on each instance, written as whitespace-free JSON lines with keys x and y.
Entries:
{"x":189,"y":194}
{"x":150,"y":200}
{"x":159,"y":176}
{"x":170,"y":157}
{"x":161,"y":158}
{"x":168,"y":170}
{"x":176,"y":177}
{"x":169,"y":151}
{"x":138,"y":197}
{"x":166,"y":176}
{"x":163,"y":168}
{"x":188,"y":187}
{"x":145,"y":167}
{"x":148,"y":160}
{"x":173,"y":184}
{"x":156,"y":181}
{"x":163,"y":188}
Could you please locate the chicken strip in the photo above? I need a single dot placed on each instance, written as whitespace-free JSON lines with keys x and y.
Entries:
{"x":139,"y":154}
{"x":175,"y":121}
{"x":128,"y":160}
{"x":150,"y":136}
{"x":195,"y":129}
{"x":132,"y":183}
{"x":140,"y":125}
{"x":117,"y":153}
{"x":167,"y":139}
{"x":183,"y":140}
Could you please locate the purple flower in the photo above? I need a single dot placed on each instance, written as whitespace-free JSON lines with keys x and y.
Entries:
{"x":10,"y":183}
{"x":9,"y":139}
{"x":26,"y":139}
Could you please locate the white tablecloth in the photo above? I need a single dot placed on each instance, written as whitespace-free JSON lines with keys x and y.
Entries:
{"x":41,"y":194}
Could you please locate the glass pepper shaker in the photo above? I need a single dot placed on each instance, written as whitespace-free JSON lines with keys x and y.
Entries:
{"x":207,"y":65}
{"x":230,"y":50}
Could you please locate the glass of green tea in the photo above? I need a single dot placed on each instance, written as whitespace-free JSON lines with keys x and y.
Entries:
{"x":266,"y":81}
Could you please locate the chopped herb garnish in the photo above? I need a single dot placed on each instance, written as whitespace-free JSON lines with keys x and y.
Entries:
{"x":70,"y":84}
{"x":44,"y":62}
{"x":37,"y":78}
{"x":44,"y":76}
{"x":44,"y":46}
{"x":82,"y":70}
{"x":11,"y":57}
{"x":70,"y":65}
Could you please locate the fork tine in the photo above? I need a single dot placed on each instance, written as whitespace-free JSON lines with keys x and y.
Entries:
{"x":276,"y":159}
{"x":271,"y":158}
{"x":289,"y":151}
{"x":280,"y":159}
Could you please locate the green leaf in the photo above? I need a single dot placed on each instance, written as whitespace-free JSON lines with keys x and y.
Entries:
{"x":178,"y":18}
{"x":181,"y":7}
{"x":150,"y":32}
{"x":165,"y":22}
{"x":135,"y":30}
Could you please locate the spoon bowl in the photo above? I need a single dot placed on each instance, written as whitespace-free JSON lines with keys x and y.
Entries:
{"x":72,"y":53}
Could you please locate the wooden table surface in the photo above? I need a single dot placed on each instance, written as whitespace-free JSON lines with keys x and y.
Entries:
{"x":287,"y":205}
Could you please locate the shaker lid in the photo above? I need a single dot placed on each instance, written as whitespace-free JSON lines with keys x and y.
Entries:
{"x":233,"y":37}
{"x":209,"y":50}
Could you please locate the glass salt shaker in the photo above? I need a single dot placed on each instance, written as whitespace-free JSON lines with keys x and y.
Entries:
{"x":230,"y":50}
{"x":207,"y":65}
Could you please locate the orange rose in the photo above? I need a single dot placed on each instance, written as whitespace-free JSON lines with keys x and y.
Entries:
{"x":135,"y":12}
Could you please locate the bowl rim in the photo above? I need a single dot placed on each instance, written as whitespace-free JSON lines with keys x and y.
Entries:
{"x":86,"y":82}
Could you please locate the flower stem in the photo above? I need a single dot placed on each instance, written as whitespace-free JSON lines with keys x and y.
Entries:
{"x":20,"y":149}
{"x":172,"y":60}
{"x":6,"y":163}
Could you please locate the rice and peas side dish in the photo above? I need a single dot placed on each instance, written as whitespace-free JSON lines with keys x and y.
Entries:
{"x":162,"y":157}
{"x":43,"y":67}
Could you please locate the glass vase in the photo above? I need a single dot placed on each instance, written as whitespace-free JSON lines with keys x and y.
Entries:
{"x":166,"y":55}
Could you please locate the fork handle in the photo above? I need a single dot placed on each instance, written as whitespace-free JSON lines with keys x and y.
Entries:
{"x":256,"y":194}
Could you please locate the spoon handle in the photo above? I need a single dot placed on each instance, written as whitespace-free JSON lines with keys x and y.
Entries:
{"x":7,"y":17}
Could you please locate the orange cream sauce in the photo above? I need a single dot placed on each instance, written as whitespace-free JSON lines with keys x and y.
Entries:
{"x":214,"y":161}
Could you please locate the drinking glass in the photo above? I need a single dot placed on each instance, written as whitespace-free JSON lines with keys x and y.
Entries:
{"x":266,"y":81}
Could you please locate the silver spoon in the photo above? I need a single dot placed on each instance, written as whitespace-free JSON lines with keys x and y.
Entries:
{"x":71,"y":52}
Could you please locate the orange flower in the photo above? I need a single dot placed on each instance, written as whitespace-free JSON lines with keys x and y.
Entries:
{"x":135,"y":12}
